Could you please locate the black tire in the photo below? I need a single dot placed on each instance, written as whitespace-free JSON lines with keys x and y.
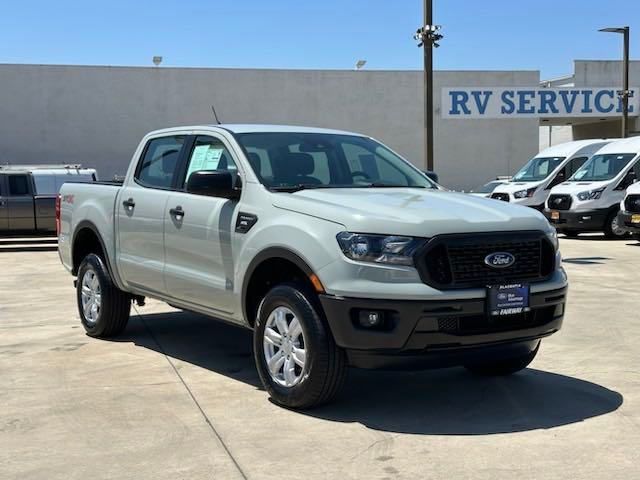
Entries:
{"x":571,"y":233}
{"x":114,"y":304}
{"x":503,"y":367}
{"x":325,"y":365}
{"x":609,"y":227}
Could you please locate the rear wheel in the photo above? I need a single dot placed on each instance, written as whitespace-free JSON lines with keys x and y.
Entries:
{"x":505,"y":366}
{"x":297,"y":359}
{"x":612,"y":227}
{"x":571,"y":233}
{"x":103,"y":307}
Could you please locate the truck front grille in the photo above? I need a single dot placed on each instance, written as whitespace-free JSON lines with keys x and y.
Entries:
{"x":632,"y":203}
{"x":500,"y":196}
{"x":559,"y":202}
{"x":481,"y":324}
{"x":458,"y":261}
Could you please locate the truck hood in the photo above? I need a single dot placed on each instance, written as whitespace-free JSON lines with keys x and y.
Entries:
{"x":577,"y":187}
{"x":410,"y":211}
{"x":513,"y":187}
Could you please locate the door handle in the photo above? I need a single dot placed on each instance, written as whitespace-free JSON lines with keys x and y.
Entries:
{"x":177,"y":212}
{"x":129,"y":204}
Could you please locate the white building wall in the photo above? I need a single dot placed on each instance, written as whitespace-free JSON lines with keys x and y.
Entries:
{"x":97,"y":115}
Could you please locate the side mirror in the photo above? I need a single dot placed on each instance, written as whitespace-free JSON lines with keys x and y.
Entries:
{"x":213,"y":183}
{"x":432,"y":175}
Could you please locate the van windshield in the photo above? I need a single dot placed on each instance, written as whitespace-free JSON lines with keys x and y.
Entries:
{"x":537,"y":169}
{"x":602,"y":167}
{"x":289,"y":161}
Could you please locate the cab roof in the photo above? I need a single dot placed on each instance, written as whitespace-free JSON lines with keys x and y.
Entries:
{"x":259,"y":128}
{"x":624,"y":145}
{"x":569,"y":148}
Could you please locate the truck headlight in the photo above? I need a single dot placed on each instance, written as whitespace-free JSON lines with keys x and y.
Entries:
{"x":590,"y":194}
{"x":390,"y":249}
{"x":528,"y":193}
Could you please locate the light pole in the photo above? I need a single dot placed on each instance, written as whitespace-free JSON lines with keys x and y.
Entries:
{"x":624,"y":94}
{"x":428,"y":37}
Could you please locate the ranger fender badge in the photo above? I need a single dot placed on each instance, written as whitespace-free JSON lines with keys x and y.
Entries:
{"x":245,"y":221}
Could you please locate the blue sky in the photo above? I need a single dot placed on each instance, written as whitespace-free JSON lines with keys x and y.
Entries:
{"x":492,"y":34}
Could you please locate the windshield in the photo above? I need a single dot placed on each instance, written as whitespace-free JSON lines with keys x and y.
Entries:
{"x":289,"y":161}
{"x":602,"y":167}
{"x":537,"y":169}
{"x":487,"y":187}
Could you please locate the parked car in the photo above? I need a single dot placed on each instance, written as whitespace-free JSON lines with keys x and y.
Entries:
{"x":488,"y":188}
{"x":552,"y":166}
{"x":28,"y":195}
{"x":331,"y":247}
{"x":590,"y":200}
{"x":629,"y":216}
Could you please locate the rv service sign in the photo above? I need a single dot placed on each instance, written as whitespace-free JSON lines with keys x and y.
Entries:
{"x":511,"y":102}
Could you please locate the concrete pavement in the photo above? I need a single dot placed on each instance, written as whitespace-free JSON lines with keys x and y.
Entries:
{"x":177,"y":396}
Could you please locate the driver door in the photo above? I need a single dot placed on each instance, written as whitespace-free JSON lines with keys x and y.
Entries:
{"x":197,"y":234}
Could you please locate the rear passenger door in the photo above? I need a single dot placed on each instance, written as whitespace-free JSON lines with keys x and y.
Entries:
{"x":4,"y":219}
{"x":141,"y":209}
{"x":20,"y":203}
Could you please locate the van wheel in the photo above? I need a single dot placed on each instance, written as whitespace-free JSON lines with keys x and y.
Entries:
{"x":503,"y":367}
{"x":103,"y":307}
{"x":297,"y":359}
{"x":612,"y":227}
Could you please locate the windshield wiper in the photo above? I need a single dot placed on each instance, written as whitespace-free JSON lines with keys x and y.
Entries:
{"x":387,"y":185}
{"x":296,"y":188}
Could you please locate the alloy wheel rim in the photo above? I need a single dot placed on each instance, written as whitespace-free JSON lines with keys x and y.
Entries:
{"x":616,"y":228}
{"x":91,"y":295}
{"x":285,"y":347}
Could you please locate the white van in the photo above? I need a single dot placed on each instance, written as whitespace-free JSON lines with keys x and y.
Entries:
{"x":552,"y":166}
{"x":590,"y":200}
{"x":629,"y":216}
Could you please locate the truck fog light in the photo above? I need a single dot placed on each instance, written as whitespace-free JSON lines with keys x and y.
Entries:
{"x":370,"y":318}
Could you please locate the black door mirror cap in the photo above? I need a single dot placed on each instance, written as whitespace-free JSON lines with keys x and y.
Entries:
{"x":213,"y":183}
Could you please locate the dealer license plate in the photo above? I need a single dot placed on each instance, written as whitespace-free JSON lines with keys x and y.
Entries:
{"x":635,"y":218}
{"x":508,"y":299}
{"x":555,"y":215}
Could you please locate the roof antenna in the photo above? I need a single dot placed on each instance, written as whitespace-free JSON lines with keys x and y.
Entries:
{"x":213,"y":109}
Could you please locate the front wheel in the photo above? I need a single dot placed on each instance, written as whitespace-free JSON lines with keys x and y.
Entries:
{"x":297,"y":359}
{"x":103,"y":307}
{"x":612,"y":227}
{"x":505,"y":366}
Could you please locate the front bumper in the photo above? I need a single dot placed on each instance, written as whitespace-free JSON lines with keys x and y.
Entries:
{"x":624,"y":219}
{"x":578,"y":220}
{"x":431,"y":334}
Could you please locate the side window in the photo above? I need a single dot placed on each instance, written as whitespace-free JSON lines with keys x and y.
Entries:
{"x":575,"y":164}
{"x":18,"y":185}
{"x":45,"y":184}
{"x":209,"y":153}
{"x":159,"y":163}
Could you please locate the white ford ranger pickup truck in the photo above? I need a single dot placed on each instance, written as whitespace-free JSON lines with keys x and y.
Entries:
{"x":332,"y":248}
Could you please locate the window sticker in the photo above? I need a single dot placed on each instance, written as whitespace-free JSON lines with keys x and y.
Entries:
{"x":205,"y":157}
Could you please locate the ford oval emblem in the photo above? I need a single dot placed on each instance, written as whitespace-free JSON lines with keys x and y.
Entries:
{"x":500,"y":260}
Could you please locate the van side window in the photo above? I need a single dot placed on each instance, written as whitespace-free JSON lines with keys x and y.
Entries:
{"x":18,"y":185}
{"x":159,"y":163}
{"x":209,"y":153}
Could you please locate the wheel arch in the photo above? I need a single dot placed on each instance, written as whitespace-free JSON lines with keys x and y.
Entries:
{"x":288,"y":265}
{"x":86,"y":238}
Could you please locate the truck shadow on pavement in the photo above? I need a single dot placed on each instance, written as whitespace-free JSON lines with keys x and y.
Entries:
{"x":432,"y":402}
